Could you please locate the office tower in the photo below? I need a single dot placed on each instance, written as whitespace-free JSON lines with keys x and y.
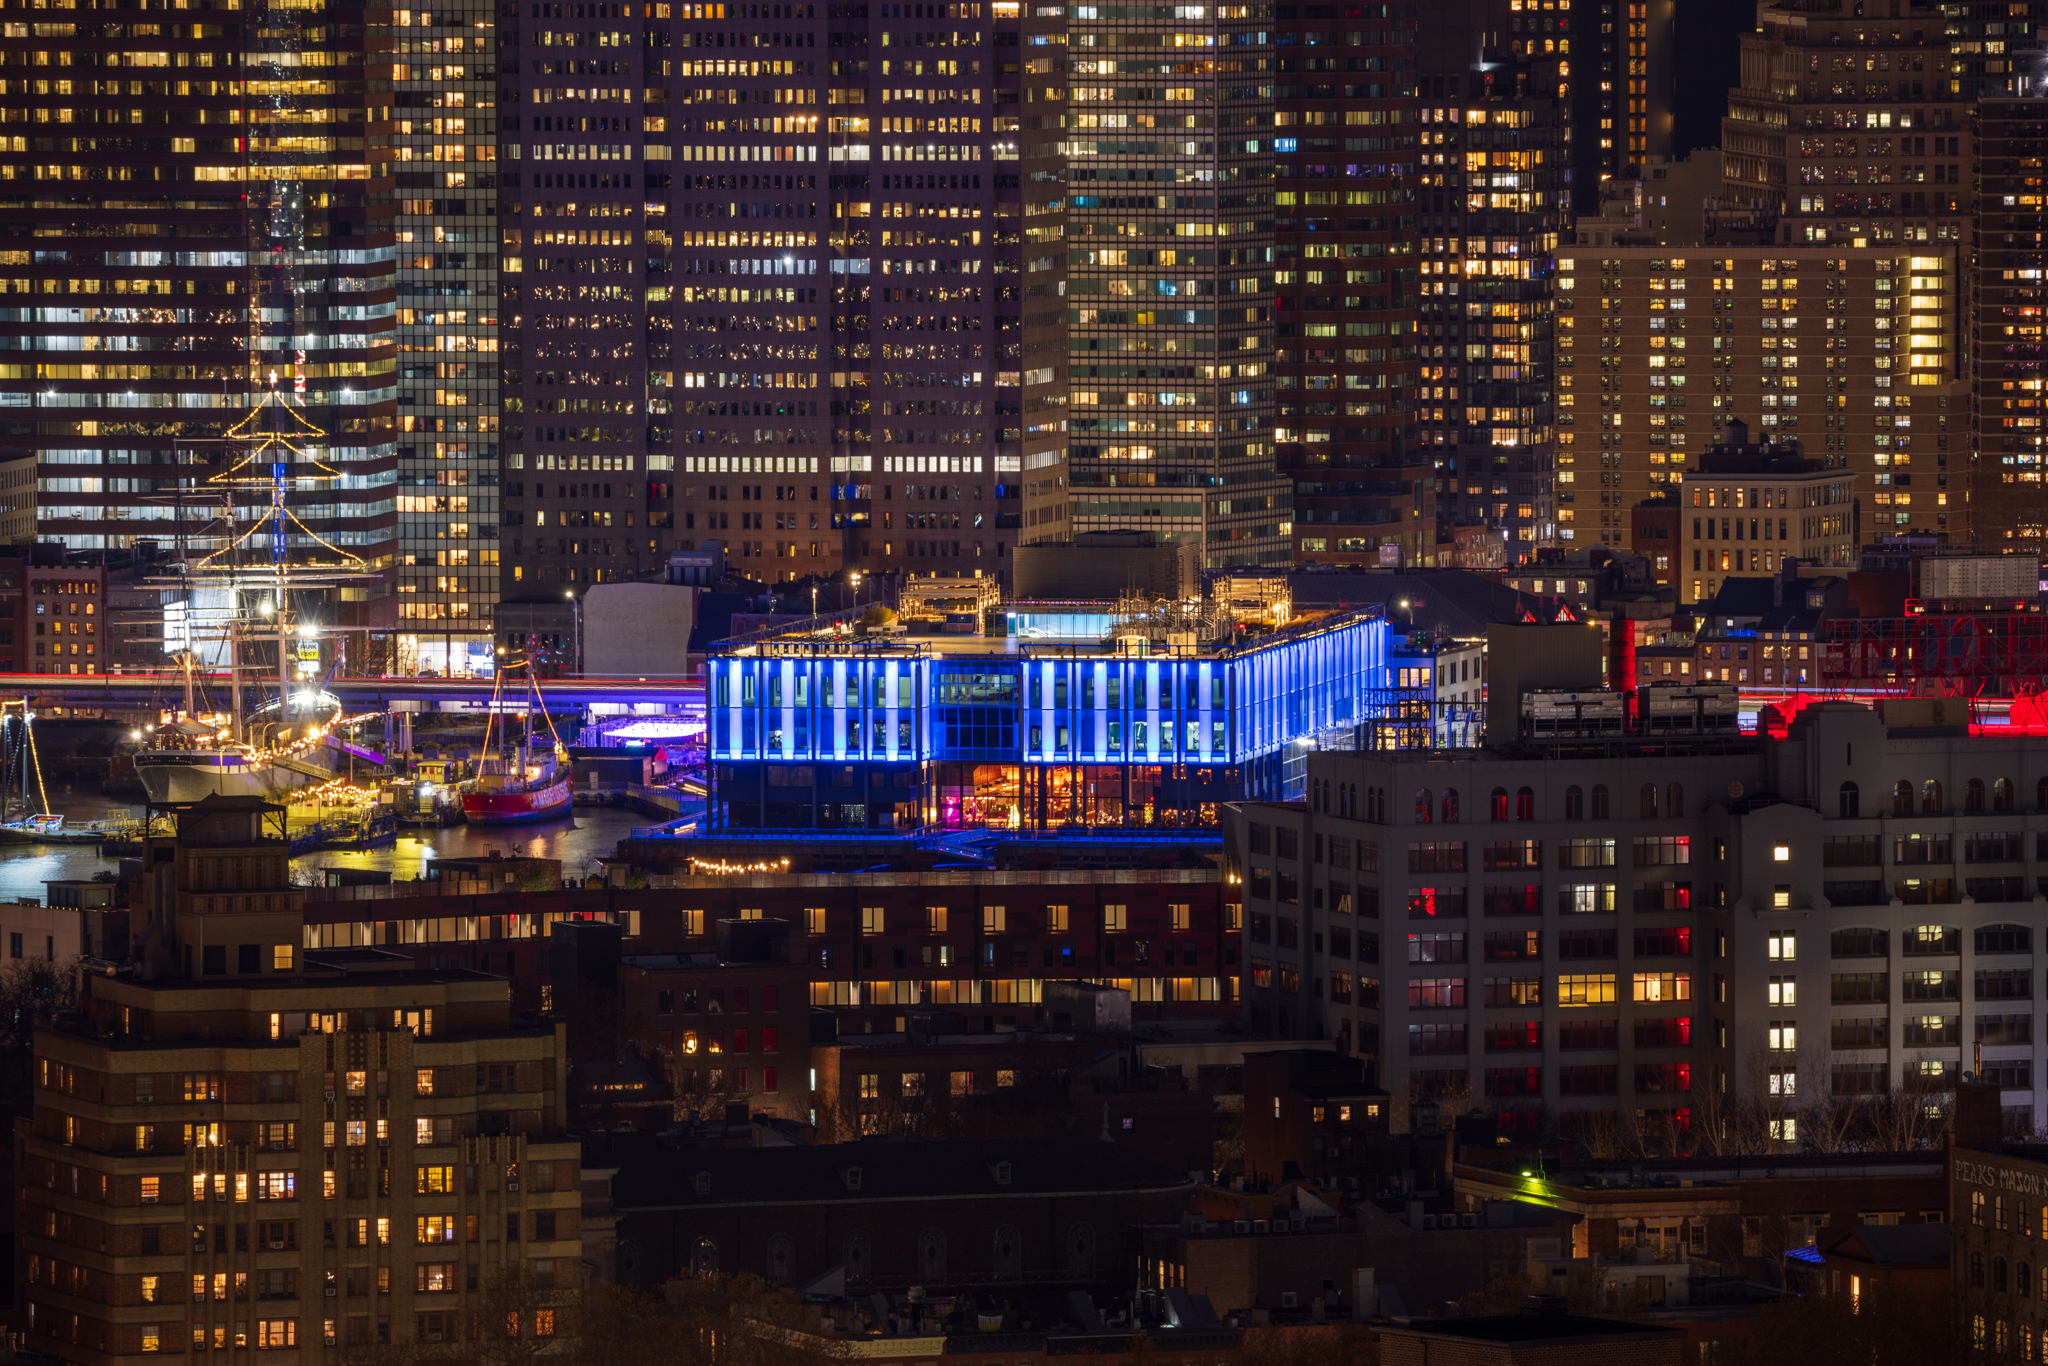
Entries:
{"x":1852,"y":350}
{"x":1493,"y":199}
{"x":1623,"y":75}
{"x":816,"y":403}
{"x":585,"y":303}
{"x":193,"y":224}
{"x":1844,"y":129}
{"x":1344,"y":285}
{"x":2011,"y":366}
{"x":255,"y":1147}
{"x":1148,"y":335}
{"x":929,"y":250}
{"x":441,"y":98}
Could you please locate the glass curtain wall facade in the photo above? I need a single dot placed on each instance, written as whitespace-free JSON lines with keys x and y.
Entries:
{"x":192,"y":193}
{"x":440,"y":92}
{"x":1148,"y":259}
{"x":806,"y":736}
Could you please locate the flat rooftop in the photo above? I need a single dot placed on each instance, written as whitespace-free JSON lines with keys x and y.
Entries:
{"x":1546,"y":1329}
{"x":1021,"y":629}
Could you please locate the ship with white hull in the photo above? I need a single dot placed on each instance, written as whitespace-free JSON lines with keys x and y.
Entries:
{"x":186,"y":775}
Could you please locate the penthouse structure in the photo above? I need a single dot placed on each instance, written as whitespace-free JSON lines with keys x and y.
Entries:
{"x":1068,"y":717}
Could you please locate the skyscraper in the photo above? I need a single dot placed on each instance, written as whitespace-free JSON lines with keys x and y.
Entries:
{"x":2010,"y":374}
{"x":441,"y":95}
{"x":826,"y":346}
{"x":1148,"y":284}
{"x":1496,"y":182}
{"x":584,"y":304}
{"x":192,"y":199}
{"x":928,"y":252}
{"x":1494,"y":192}
{"x":1345,"y":284}
{"x":1844,"y":130}
{"x":1622,"y":76}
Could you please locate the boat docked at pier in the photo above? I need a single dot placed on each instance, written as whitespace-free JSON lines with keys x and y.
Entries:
{"x":522,"y":782}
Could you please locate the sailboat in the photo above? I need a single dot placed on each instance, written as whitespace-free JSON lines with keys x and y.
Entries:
{"x":518,"y":784}
{"x":275,"y":749}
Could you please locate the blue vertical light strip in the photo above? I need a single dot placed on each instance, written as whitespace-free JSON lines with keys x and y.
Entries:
{"x":802,"y":709}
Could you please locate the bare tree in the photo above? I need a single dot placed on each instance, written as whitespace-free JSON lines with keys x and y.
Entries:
{"x":1343,"y":1344}
{"x":700,"y":1092}
{"x":32,"y":992}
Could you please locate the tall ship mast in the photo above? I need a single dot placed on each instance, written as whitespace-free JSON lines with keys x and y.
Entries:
{"x":250,"y":593}
{"x":520,"y":782}
{"x":260,"y":587}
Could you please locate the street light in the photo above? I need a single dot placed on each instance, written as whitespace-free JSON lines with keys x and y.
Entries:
{"x":576,"y":637}
{"x":856,"y":587}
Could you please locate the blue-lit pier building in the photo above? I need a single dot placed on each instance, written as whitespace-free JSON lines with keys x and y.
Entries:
{"x":1061,"y":716}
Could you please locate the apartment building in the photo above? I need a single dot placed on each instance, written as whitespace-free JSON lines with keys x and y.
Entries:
{"x":1866,"y":336}
{"x":1494,"y":180}
{"x":210,"y":204}
{"x":1808,"y":513}
{"x":2005,"y":328}
{"x":1836,"y":914}
{"x":1846,"y":128}
{"x":276,"y":1151}
{"x":1344,"y":285}
{"x":1594,"y":984}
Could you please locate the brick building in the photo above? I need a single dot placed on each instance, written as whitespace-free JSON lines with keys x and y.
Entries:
{"x":1308,"y":1114}
{"x":989,"y":1212}
{"x":1036,"y":1082}
{"x":873,"y":944}
{"x":280,"y":1150}
{"x":1726,"y":1216}
{"x":1997,"y":1194}
{"x":53,"y":614}
{"x":721,"y":1031}
{"x":1539,"y":1336}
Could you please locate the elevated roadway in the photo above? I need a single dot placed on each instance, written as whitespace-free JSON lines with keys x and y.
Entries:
{"x":135,"y":692}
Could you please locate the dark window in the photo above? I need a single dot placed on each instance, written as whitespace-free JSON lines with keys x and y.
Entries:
{"x":2005,"y":939}
{"x":1859,"y":943}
